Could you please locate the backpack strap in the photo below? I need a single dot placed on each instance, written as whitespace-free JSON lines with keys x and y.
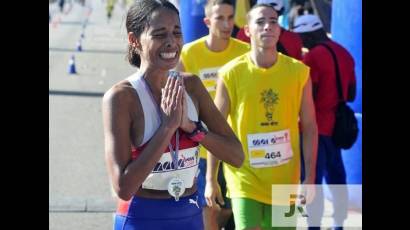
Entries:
{"x":338,"y":78}
{"x":280,"y":47}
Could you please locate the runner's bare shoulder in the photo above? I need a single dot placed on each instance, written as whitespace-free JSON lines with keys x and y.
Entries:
{"x":121,"y":95}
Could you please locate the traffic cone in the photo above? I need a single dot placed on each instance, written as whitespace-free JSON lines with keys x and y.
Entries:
{"x":71,"y":66}
{"x":79,"y":48}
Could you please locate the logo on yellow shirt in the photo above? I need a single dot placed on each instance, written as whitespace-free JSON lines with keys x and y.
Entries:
{"x":269,"y":99}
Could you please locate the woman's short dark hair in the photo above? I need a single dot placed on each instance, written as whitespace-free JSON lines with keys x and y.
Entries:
{"x":138,"y":18}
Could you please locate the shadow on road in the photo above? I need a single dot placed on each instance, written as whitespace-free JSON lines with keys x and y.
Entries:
{"x":74,"y":93}
{"x":86,"y":51}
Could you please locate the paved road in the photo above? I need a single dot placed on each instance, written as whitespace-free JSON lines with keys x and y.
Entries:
{"x":79,"y":190}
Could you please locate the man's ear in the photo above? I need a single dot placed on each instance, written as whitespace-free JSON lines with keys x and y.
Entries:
{"x":207,"y":22}
{"x":246,"y":30}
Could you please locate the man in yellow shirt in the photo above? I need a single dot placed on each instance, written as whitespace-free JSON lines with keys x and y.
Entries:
{"x":264,"y":94}
{"x":203,"y":57}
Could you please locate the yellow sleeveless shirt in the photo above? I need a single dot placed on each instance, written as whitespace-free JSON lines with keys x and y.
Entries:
{"x":199,"y":60}
{"x":264,"y":106}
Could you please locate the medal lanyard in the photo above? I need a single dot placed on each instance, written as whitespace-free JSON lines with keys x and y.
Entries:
{"x":174,"y":153}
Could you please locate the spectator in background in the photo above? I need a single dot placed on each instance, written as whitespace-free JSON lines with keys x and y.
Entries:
{"x":110,"y":8}
{"x":264,"y":79}
{"x":325,"y":94}
{"x":203,"y":57}
{"x":298,"y":8}
{"x":61,"y":5}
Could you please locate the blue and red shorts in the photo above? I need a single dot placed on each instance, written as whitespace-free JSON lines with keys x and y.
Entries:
{"x":143,"y":213}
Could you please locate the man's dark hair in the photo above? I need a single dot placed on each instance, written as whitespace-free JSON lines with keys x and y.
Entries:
{"x":138,"y":18}
{"x":257,"y":6}
{"x":212,"y":3}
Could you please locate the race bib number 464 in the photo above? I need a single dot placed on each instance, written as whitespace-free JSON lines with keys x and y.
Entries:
{"x":269,"y":149}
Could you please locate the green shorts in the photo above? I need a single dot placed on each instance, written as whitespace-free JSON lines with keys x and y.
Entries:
{"x":249,"y":213}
